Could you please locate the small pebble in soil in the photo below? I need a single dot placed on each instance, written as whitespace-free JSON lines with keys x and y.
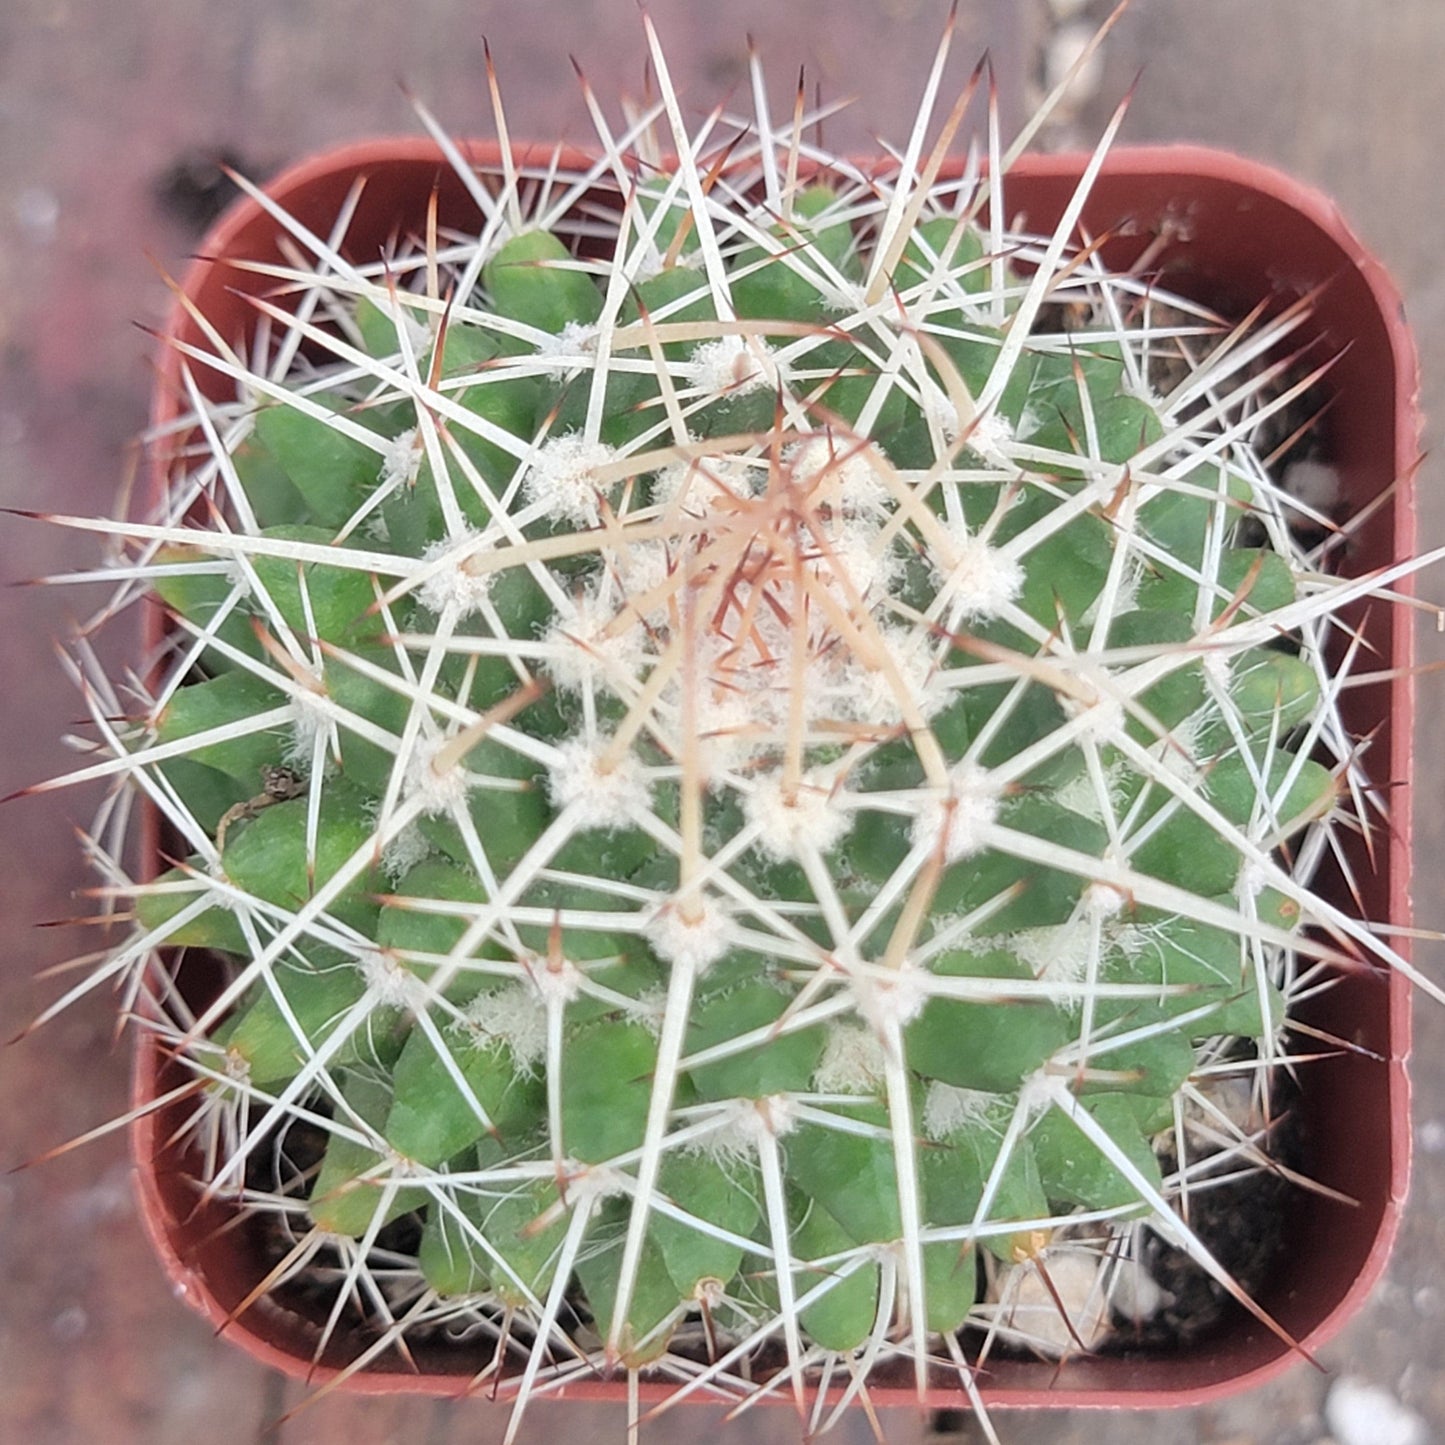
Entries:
{"x":1359,"y":1413}
{"x":1030,"y":1303}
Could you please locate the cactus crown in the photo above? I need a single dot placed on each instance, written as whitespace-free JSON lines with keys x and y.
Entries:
{"x":737,"y":730}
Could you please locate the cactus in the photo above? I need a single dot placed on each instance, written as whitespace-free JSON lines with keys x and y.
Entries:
{"x":747,"y":737}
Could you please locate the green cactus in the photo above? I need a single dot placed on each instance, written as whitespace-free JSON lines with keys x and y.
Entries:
{"x":739,"y":777}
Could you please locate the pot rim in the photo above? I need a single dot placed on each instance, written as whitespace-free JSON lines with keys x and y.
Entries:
{"x":1183,"y":166}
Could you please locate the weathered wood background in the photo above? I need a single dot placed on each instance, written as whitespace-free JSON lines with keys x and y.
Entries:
{"x":98,"y":99}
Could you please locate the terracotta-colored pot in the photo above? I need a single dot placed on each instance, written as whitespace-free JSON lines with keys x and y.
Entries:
{"x":1231,"y":232}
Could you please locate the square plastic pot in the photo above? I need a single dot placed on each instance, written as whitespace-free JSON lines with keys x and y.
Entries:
{"x":1224,"y":231}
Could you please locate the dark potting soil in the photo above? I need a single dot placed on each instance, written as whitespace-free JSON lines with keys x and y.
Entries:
{"x":1243,"y":1222}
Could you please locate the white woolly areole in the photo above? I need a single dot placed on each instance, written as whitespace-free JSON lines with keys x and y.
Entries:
{"x":556,"y":982}
{"x":649,"y":1009}
{"x":516,"y":1016}
{"x":842,"y":471}
{"x":563,"y":481}
{"x":1058,"y":953}
{"x":731,"y":723}
{"x":791,"y":821}
{"x":456,"y":585}
{"x":576,"y":343}
{"x":401,"y":460}
{"x":700,"y":481}
{"x":404,"y":851}
{"x":698,"y":941}
{"x":733,"y":1139}
{"x":983,"y":579}
{"x":391,"y":981}
{"x":639,"y":568}
{"x":852,"y":1061}
{"x":1037,"y":1093}
{"x":989,"y":438}
{"x":938,"y":407}
{"x":1100,"y":716}
{"x":948,"y":1110}
{"x":1217,"y":667}
{"x":1252,"y":880}
{"x":590,"y":1183}
{"x":1103,"y":900}
{"x":1175,"y":753}
{"x":851,"y":551}
{"x":584,"y":650}
{"x":439,"y":791}
{"x":957,"y":822}
{"x":598,"y":799}
{"x":733,"y":366}
{"x":890,"y":998}
{"x":870,"y":693}
{"x":308,"y":719}
{"x":774,"y":1115}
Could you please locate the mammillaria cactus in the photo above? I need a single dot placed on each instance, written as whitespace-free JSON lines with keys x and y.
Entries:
{"x":751,"y":742}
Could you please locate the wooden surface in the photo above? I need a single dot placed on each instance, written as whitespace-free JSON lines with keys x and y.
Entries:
{"x":97,"y":100}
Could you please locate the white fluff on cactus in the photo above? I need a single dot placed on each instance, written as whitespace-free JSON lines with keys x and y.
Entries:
{"x":735,"y":732}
